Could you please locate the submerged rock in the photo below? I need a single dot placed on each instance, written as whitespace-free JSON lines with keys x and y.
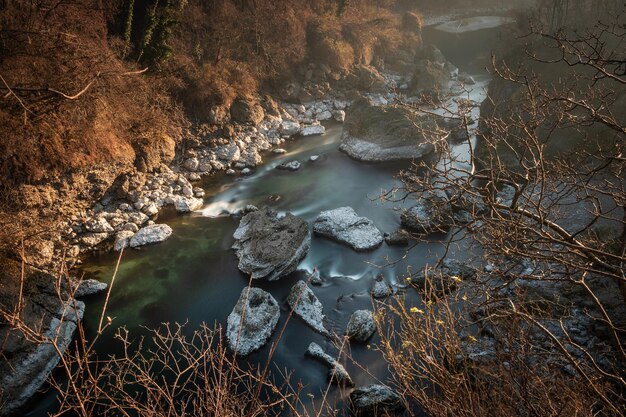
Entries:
{"x":361,"y":326}
{"x":87,"y":287}
{"x":336,"y":373}
{"x":305,"y":304}
{"x":378,"y":134}
{"x":345,"y":226}
{"x":269,"y":246}
{"x":252,"y":321}
{"x":375,"y":400}
{"x":289,"y":166}
{"x":429,"y":215}
{"x":150,"y":234}
{"x":397,"y":238}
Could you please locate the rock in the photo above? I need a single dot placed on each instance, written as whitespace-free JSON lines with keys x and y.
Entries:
{"x":367,"y":78}
{"x":23,"y":378}
{"x":431,"y":214}
{"x":244,"y":110}
{"x":339,"y":115}
{"x":252,"y":321}
{"x":336,"y":373}
{"x":466,"y":78}
{"x":380,"y":289}
{"x":379,"y":134}
{"x":150,"y":209}
{"x":268,"y":246}
{"x":289,"y":166}
{"x":87,"y":287}
{"x":191,"y":164}
{"x":279,"y":151}
{"x":397,"y":238}
{"x":193,"y":176}
{"x":230,"y":172}
{"x":324,"y":115}
{"x":361,"y":326}
{"x":289,"y":128}
{"x":246,"y":171}
{"x":314,"y":158}
{"x":429,"y":76}
{"x":219,"y":115}
{"x":314,"y":129}
{"x":198,"y":192}
{"x":130,"y":226}
{"x":229,"y":153}
{"x":305,"y":304}
{"x":93,"y":239}
{"x":345,"y":226}
{"x":150,"y":234}
{"x":375,"y":401}
{"x":98,"y":225}
{"x":138,"y":218}
{"x":187,"y":204}
{"x":122,"y":239}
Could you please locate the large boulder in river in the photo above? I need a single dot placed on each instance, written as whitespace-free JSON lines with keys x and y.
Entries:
{"x":378,"y":134}
{"x":150,"y":234}
{"x":269,"y":246}
{"x":375,"y":400}
{"x":345,"y":226}
{"x":244,"y":110}
{"x":252,"y":321}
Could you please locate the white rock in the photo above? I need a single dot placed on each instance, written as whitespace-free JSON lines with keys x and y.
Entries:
{"x":122,"y":240}
{"x":345,"y":226}
{"x":339,"y":115}
{"x":324,"y":115}
{"x":191,"y":164}
{"x":98,"y":225}
{"x":150,"y":209}
{"x":305,"y":304}
{"x":289,"y":128}
{"x":252,"y":321}
{"x":314,"y":129}
{"x":151,"y":234}
{"x":187,"y":204}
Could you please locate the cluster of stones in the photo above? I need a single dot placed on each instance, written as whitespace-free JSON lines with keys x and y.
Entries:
{"x":128,"y":220}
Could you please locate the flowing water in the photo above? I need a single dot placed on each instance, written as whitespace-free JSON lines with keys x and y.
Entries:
{"x":193,"y":277}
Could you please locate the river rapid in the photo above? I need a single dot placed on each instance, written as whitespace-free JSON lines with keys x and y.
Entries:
{"x":193,"y":277}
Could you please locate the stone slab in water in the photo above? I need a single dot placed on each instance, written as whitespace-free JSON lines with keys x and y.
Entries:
{"x":345,"y":226}
{"x":305,"y":304}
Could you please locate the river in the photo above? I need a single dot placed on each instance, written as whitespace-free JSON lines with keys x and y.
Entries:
{"x":193,"y":277}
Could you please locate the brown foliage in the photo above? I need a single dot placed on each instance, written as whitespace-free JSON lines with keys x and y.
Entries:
{"x":68,"y":100}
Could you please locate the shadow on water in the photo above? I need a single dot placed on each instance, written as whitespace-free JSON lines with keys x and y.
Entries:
{"x":193,"y":277}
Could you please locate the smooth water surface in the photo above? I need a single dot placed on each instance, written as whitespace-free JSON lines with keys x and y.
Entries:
{"x":193,"y":277}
